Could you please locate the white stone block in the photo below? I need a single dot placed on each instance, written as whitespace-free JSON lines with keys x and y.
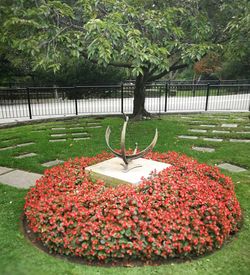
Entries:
{"x":112,"y":170}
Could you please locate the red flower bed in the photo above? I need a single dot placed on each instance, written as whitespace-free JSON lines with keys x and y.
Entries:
{"x":188,"y":209}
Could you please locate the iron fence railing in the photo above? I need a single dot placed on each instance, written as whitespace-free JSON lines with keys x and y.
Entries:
{"x":161,"y":97}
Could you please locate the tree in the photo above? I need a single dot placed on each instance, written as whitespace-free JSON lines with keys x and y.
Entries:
{"x":237,"y":50}
{"x":209,"y":64}
{"x":151,"y":38}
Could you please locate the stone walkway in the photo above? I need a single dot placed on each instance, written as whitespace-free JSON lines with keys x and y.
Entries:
{"x":18,"y":178}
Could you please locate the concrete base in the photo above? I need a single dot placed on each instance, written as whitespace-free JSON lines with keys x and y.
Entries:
{"x":113,"y":171}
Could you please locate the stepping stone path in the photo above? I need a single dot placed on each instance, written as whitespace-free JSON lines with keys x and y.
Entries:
{"x":28,"y":155}
{"x":57,"y":140}
{"x":221,"y":131}
{"x":4,"y":170}
{"x":52,"y":163}
{"x":207,"y":125}
{"x":213,"y":139}
{"x":231,"y":168}
{"x":76,"y":128}
{"x":18,"y":178}
{"x":248,"y":127}
{"x":79,"y":134}
{"x":97,"y":126}
{"x":188,"y":137}
{"x":243,"y":132}
{"x":55,"y":129}
{"x":58,"y":135}
{"x":203,"y":149}
{"x":6,"y":148}
{"x":197,"y":130}
{"x":239,"y":140}
{"x":15,"y":146}
{"x":25,"y":144}
{"x":229,"y":125}
{"x":81,"y":138}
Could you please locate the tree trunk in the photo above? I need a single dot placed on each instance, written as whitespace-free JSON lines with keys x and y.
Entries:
{"x":139,"y":110}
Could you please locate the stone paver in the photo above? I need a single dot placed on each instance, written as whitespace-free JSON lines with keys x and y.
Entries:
{"x":188,"y":137}
{"x":97,"y":126}
{"x":248,"y":127}
{"x":239,"y":140}
{"x":213,"y":139}
{"x":229,"y":125}
{"x":28,"y":155}
{"x":197,"y":130}
{"x":6,"y":148}
{"x":81,"y":138}
{"x":19,"y":178}
{"x":58,"y":135}
{"x":93,"y":123}
{"x":231,"y":168}
{"x":25,"y":144}
{"x":76,"y":128}
{"x":57,"y":140}
{"x":4,"y":170}
{"x":221,"y":131}
{"x":207,"y":125}
{"x":55,"y":129}
{"x":203,"y":149}
{"x":52,"y":163}
{"x":79,"y":134}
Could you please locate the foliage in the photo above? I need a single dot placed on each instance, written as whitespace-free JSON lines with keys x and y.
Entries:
{"x":188,"y":209}
{"x":133,"y":34}
{"x":208,"y":65}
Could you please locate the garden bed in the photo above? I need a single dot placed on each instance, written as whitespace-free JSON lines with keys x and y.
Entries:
{"x":185,"y":211}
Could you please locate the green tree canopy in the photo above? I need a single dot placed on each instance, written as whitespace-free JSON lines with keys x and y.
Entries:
{"x":151,"y":38}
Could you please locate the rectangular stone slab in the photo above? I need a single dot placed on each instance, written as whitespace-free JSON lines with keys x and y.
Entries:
{"x":231,"y":168}
{"x":28,"y":155}
{"x":4,"y":170}
{"x":203,"y":149}
{"x":52,"y":163}
{"x":20,"y":179}
{"x":229,"y":125}
{"x":112,"y":170}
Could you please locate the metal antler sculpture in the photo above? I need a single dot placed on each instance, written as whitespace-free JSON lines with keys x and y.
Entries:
{"x":128,"y":158}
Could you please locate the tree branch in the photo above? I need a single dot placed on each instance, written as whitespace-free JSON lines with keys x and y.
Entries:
{"x":174,"y":67}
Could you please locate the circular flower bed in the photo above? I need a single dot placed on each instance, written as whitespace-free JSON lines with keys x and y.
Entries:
{"x":186,"y":210}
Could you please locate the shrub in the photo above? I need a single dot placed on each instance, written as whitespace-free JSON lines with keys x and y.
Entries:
{"x":186,"y":210}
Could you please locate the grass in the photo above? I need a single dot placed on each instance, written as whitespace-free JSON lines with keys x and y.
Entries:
{"x":19,"y":256}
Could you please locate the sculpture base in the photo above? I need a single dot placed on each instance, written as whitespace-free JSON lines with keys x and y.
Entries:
{"x":113,"y":171}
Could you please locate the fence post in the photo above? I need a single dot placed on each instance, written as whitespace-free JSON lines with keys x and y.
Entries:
{"x":218,"y":89}
{"x":166,"y":95}
{"x":159,"y":101}
{"x":76,"y":107}
{"x":207,"y":97}
{"x":122,"y":98}
{"x":29,"y":106}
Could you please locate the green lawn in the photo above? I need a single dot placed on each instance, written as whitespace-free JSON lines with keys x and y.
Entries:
{"x":19,"y":256}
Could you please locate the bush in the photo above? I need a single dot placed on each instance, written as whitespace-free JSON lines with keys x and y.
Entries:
{"x":186,"y":210}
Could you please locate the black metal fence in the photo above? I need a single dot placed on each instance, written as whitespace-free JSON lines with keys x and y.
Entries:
{"x":161,"y":97}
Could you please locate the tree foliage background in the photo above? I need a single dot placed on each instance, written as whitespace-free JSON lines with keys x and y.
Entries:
{"x":148,"y":38}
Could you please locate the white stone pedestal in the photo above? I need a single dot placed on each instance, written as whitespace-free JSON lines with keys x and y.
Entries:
{"x":113,"y":171}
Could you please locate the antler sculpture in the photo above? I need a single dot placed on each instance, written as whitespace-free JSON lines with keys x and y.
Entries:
{"x":135,"y":155}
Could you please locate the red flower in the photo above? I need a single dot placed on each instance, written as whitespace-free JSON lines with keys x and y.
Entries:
{"x":187,"y":209}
